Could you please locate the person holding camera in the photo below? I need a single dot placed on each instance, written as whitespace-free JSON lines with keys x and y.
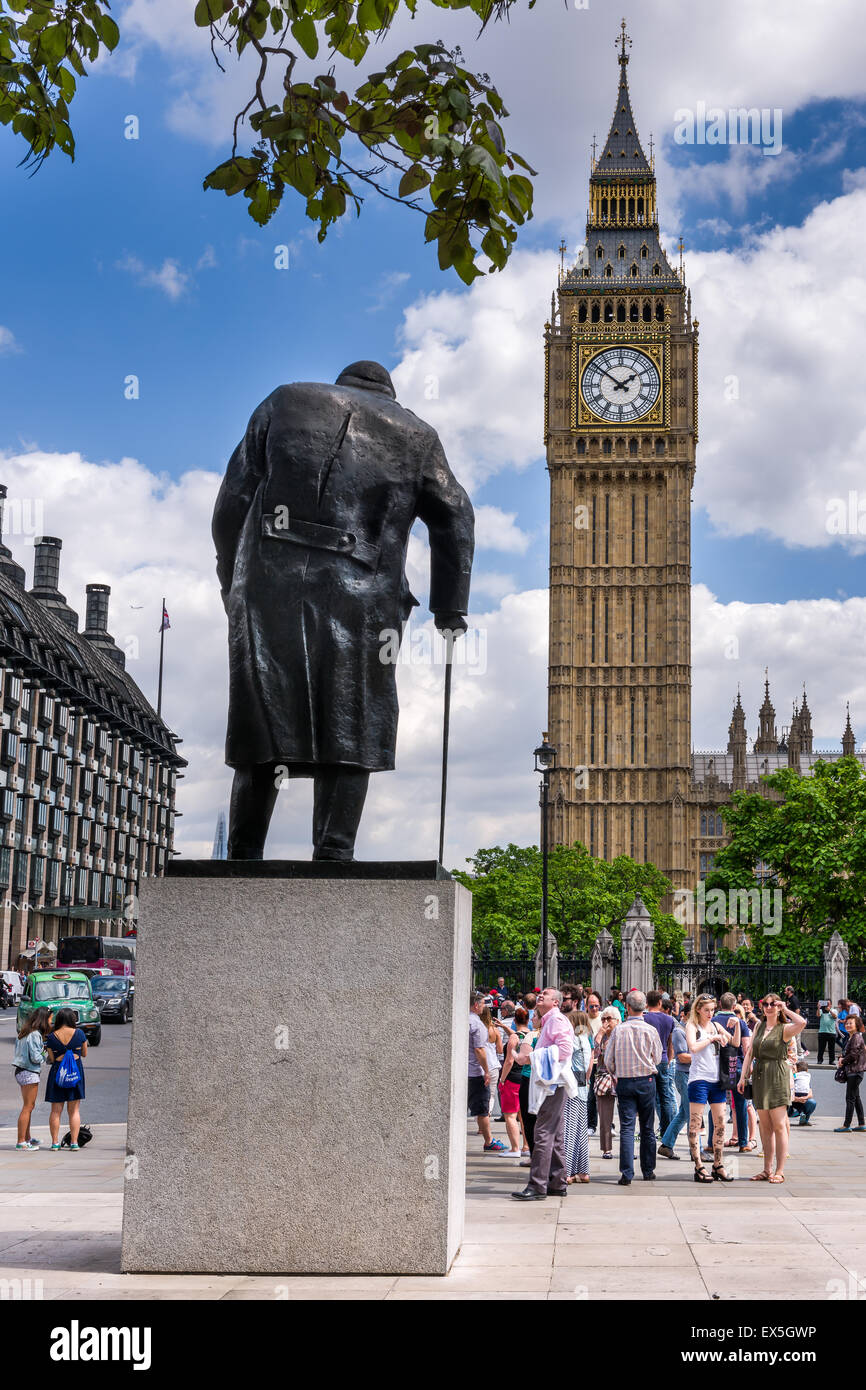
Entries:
{"x":827,"y":1033}
{"x":705,"y":1039}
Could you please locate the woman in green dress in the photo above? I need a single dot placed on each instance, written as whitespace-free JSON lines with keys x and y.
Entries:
{"x":766,"y":1063}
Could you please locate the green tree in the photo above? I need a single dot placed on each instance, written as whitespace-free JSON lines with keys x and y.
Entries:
{"x":424,"y":131}
{"x":585,"y":896}
{"x":812,"y":843}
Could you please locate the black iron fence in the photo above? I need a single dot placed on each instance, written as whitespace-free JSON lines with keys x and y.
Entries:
{"x":518,"y":970}
{"x":707,"y":973}
{"x":575,"y":970}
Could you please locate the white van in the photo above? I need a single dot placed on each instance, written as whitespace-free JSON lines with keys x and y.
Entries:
{"x":13,"y":984}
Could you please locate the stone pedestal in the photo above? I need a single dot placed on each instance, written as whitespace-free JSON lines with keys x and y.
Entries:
{"x":298,"y":1075}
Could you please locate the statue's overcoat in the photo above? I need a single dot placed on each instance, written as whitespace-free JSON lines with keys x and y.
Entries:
{"x":311,"y":528}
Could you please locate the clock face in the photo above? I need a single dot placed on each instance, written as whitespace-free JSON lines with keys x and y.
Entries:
{"x":621,"y":384}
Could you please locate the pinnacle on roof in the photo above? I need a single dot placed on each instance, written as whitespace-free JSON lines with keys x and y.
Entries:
{"x":622,"y":153}
{"x":848,"y":740}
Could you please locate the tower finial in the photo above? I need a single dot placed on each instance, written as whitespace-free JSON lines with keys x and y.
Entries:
{"x":621,"y":44}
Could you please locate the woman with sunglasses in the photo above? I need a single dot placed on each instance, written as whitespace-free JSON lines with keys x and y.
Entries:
{"x":766,"y":1063}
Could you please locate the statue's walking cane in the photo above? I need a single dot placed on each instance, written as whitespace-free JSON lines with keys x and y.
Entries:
{"x":449,"y":652}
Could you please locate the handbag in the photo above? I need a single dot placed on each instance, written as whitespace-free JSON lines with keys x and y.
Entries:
{"x":604,"y":1084}
{"x":840,"y":1074}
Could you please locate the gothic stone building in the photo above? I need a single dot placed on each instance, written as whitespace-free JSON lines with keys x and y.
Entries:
{"x":87,"y":768}
{"x":621,"y":428}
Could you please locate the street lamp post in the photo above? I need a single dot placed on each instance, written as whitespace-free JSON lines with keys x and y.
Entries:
{"x":545,"y":762}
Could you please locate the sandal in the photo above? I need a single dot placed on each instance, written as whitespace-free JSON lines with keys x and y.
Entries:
{"x":719,"y":1174}
{"x":701,"y":1175}
{"x":777,"y":1177}
{"x":582,"y":1177}
{"x":763,"y":1176}
{"x":732,"y":1144}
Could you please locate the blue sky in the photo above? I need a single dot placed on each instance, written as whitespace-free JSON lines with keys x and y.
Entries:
{"x":121,"y":264}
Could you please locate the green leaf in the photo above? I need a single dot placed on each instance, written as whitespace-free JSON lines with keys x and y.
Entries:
{"x":304,"y":30}
{"x":479,"y":158}
{"x":207,"y":12}
{"x":414,"y":178}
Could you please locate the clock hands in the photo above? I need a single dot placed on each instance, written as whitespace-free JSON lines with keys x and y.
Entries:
{"x":617,"y":384}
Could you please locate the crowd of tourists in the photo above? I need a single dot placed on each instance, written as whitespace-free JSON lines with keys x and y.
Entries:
{"x":559,"y":1068}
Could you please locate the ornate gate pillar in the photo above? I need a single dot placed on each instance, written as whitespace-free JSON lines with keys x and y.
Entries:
{"x":552,"y":962}
{"x":836,"y":969}
{"x":638,"y":934}
{"x":601,"y":966}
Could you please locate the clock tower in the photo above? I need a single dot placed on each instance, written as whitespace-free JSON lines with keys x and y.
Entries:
{"x":620,"y":435}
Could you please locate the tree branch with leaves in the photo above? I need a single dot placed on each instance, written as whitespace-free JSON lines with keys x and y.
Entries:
{"x":425,"y":131}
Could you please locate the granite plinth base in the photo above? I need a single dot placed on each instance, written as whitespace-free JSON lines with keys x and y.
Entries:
{"x":298,"y":1076}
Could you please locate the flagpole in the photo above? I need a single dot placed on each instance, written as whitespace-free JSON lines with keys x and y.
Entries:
{"x":161,"y":651}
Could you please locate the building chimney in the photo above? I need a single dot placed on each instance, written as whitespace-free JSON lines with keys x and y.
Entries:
{"x":46,"y":576}
{"x":96,"y":628}
{"x":8,"y":567}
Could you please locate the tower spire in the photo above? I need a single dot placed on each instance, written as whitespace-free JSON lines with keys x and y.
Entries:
{"x":849,"y":743}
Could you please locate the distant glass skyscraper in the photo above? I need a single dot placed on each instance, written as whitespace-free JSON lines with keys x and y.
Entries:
{"x":220,"y":839}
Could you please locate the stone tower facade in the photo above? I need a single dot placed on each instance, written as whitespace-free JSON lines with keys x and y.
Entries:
{"x":620,"y":434}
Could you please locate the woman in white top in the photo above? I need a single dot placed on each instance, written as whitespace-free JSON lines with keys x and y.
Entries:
{"x":705,"y":1039}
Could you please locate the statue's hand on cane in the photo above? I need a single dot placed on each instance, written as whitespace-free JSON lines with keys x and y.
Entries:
{"x":455,"y":623}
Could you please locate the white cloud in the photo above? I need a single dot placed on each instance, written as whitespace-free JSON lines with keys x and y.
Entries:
{"x":8,"y":341}
{"x":473,"y":366}
{"x":167,"y":277}
{"x":496,"y":530}
{"x":783,"y":421}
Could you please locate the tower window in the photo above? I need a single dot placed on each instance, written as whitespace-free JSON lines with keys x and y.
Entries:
{"x":633,"y":311}
{"x":660,"y":446}
{"x":586,"y":272}
{"x":596,"y":313}
{"x":647,"y":311}
{"x":599,"y":250}
{"x":660,"y":311}
{"x":644,"y":251}
{"x":608,"y":270}
{"x":581,"y":314}
{"x":606,"y":446}
{"x":703,"y":822}
{"x":634,"y":271}
{"x":640,"y":207}
{"x":608,"y":311}
{"x":620,"y":311}
{"x":581,"y":446}
{"x":657,"y":270}
{"x":632,"y":447}
{"x":621,"y":253}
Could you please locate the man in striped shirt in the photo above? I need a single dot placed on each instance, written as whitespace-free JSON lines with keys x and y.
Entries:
{"x":633,"y":1053}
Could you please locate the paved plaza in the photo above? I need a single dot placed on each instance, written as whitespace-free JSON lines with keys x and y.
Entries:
{"x":60,"y":1219}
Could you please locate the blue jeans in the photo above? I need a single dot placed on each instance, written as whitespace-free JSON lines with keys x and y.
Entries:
{"x":635,"y":1098}
{"x":666,"y":1099}
{"x":740,"y":1110}
{"x":806,"y":1110}
{"x":681,"y":1118}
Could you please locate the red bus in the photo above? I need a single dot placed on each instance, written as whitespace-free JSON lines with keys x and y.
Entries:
{"x":115,"y":952}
